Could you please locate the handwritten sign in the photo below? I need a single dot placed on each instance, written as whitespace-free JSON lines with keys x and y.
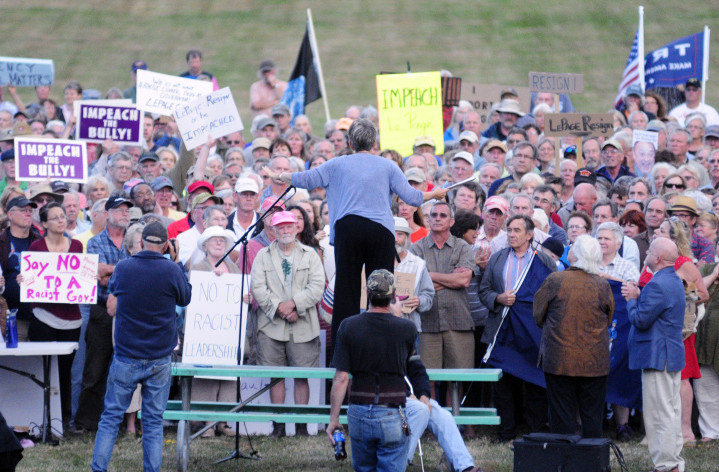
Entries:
{"x":163,"y":94}
{"x":24,"y":72}
{"x":215,"y":114}
{"x":578,"y":124}
{"x":483,"y":96}
{"x":212,"y":320}
{"x":122,"y":124}
{"x":410,"y":105}
{"x":548,"y":82}
{"x":55,"y":159}
{"x":404,"y":283}
{"x":56,"y":277}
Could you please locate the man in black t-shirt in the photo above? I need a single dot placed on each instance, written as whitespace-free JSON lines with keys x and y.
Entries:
{"x":375,"y":348}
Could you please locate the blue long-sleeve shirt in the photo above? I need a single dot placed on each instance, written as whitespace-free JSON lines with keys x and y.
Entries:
{"x":360,"y":184}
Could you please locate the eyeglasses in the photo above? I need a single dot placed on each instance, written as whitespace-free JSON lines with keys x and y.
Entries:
{"x":235,"y":175}
{"x":43,"y":199}
{"x":691,"y":89}
{"x":234,"y":142}
{"x":21,"y":210}
{"x":438,"y":215}
{"x":713,"y":161}
{"x":572,"y":227}
{"x":610,"y":151}
{"x":58,"y":218}
{"x":674,"y":185}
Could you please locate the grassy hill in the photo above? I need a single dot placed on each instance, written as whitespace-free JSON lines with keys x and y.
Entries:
{"x":481,"y":41}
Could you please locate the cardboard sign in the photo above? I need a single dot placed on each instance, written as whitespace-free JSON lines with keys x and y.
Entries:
{"x":404,"y":287}
{"x":24,"y":72}
{"x":57,"y":277}
{"x":97,"y":122}
{"x":483,"y":96}
{"x":547,"y":82}
{"x":451,"y":91}
{"x":215,"y":114}
{"x":579,"y":124}
{"x":39,"y":159}
{"x":410,"y":105}
{"x":212,"y":319}
{"x":163,"y":94}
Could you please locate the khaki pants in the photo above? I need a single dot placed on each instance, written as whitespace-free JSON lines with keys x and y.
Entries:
{"x":663,"y":418}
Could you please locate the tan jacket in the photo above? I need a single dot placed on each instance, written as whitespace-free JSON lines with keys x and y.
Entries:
{"x":269,"y":290}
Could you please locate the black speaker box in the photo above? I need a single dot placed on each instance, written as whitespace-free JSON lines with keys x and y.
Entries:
{"x":545,"y":452}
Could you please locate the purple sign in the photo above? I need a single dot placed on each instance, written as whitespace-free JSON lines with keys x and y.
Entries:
{"x":54,"y":159}
{"x":122,"y":124}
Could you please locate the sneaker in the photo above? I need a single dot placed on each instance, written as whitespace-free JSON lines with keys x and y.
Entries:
{"x":624,"y":433}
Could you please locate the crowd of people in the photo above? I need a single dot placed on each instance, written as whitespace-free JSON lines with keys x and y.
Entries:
{"x":503,"y":266}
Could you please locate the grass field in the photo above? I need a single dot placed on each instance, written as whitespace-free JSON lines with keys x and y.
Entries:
{"x":481,"y":41}
{"x":307,"y":454}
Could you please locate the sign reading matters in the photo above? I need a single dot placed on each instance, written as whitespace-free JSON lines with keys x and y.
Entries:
{"x":122,"y":124}
{"x":215,"y":114}
{"x":163,"y":94}
{"x":24,"y":72}
{"x":546,"y":82}
{"x":410,"y":105}
{"x":579,"y":124}
{"x":39,"y":159}
{"x":57,"y":277}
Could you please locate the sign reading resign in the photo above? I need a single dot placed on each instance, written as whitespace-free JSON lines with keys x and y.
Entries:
{"x":483,"y":96}
{"x":55,"y":159}
{"x":556,"y":83}
{"x":212,"y":320}
{"x":579,"y":124}
{"x":410,"y":105}
{"x":24,"y":72}
{"x":122,"y":124}
{"x":163,"y":94}
{"x":57,"y":277}
{"x":215,"y":114}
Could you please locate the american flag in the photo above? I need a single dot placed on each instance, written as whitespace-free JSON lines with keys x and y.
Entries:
{"x":631,"y":71}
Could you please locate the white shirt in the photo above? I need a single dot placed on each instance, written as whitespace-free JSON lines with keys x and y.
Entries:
{"x":188,"y":245}
{"x":681,"y":112}
{"x":237,"y":227}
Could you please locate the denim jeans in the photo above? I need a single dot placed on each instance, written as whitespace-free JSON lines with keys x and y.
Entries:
{"x":442,"y":425}
{"x":377,"y":439}
{"x":125,"y":373}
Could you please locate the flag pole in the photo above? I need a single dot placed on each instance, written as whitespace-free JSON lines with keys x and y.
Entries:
{"x":316,"y":54}
{"x":705,"y":68}
{"x":640,"y":49}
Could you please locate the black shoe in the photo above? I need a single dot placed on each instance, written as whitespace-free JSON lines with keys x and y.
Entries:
{"x":78,"y":431}
{"x":278,"y":430}
{"x":624,"y":433}
{"x":301,"y":429}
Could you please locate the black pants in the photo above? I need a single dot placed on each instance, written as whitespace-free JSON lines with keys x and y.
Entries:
{"x":98,"y":355}
{"x":566,"y":395}
{"x":508,"y":401}
{"x":39,"y":331}
{"x":358,"y":241}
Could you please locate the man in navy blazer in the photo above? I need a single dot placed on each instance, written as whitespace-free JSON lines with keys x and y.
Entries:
{"x":655,"y":346}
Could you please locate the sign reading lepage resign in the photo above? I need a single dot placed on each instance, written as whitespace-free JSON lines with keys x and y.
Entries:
{"x":57,"y":277}
{"x":55,"y":159}
{"x":163,"y":94}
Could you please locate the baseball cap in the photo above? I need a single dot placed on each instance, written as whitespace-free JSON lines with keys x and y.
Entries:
{"x":246,"y":184}
{"x":424,"y":140}
{"x":267,"y":203}
{"x":139,"y":65}
{"x":381,"y":282}
{"x":280,"y":109}
{"x":693,"y":82}
{"x":614,"y":143}
{"x":634,"y":89}
{"x":115,"y":201}
{"x":155,"y":233}
{"x":585,"y":176}
{"x":415,"y":174}
{"x":7,"y":155}
{"x":201,"y":198}
{"x":658,"y":125}
{"x":148,"y":156}
{"x":265,"y":123}
{"x":496,"y":143}
{"x":198,"y":184}
{"x":712,"y":131}
{"x":283,"y":217}
{"x":553,"y":244}
{"x":266,"y":66}
{"x":344,"y":123}
{"x":161,"y":182}
{"x":261,"y":143}
{"x":464,"y":155}
{"x":468,"y":136}
{"x":508,"y":91}
{"x":20,"y":202}
{"x":131,"y":184}
{"x":497,"y":203}
{"x":58,"y":186}
{"x":400,"y":224}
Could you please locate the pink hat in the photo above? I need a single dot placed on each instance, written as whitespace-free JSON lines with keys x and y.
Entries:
{"x":268,"y":201}
{"x":497,"y":203}
{"x":283,"y":217}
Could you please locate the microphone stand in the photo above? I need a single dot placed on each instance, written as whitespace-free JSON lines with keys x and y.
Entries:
{"x":236,"y":453}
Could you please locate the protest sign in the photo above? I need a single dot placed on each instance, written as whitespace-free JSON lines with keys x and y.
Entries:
{"x":451,"y":91}
{"x":639,"y":135}
{"x":644,"y":145}
{"x":163,"y":94}
{"x":579,"y":124}
{"x":404,"y":287}
{"x":97,"y":122}
{"x":24,"y":72}
{"x":124,"y":102}
{"x":57,"y":277}
{"x":483,"y":96}
{"x":410,"y":105}
{"x":546,"y":82}
{"x":212,"y":319}
{"x":215,"y":114}
{"x":39,"y":159}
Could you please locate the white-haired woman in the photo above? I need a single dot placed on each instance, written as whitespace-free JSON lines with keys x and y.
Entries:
{"x":574,"y":308}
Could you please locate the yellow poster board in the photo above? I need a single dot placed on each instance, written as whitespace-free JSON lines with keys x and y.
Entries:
{"x":409,"y":105}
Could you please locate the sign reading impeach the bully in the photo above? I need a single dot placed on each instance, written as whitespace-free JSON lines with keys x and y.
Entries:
{"x":54,"y":159}
{"x":410,"y":105}
{"x":212,"y":320}
{"x":579,"y":124}
{"x":24,"y":72}
{"x":215,"y":114}
{"x":163,"y":94}
{"x":57,"y":277}
{"x":122,"y":124}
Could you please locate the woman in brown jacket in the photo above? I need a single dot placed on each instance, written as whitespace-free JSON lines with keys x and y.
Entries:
{"x":574,"y":308}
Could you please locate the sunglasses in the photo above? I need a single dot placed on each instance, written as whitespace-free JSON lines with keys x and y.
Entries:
{"x":438,"y":215}
{"x":675,"y":185}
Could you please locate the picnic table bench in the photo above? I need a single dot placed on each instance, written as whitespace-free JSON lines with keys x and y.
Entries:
{"x":186,"y":411}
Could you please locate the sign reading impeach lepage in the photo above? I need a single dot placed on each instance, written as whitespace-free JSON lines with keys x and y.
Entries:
{"x":579,"y":124}
{"x":54,"y":159}
{"x":57,"y":277}
{"x":163,"y":94}
{"x":122,"y":124}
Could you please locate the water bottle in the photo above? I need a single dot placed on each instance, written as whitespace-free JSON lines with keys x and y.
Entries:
{"x":11,"y":329}
{"x":339,"y":439}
